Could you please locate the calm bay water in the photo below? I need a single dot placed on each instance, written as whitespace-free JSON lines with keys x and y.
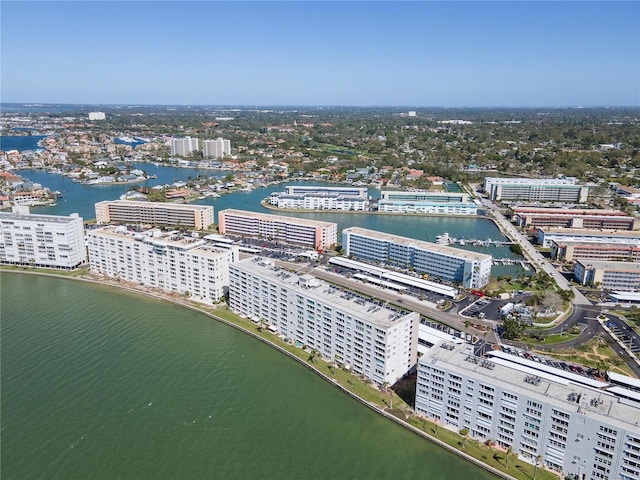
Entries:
{"x":98,"y":384}
{"x":20,"y":142}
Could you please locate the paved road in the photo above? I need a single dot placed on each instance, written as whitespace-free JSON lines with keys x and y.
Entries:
{"x":533,"y":255}
{"x":453,"y":320}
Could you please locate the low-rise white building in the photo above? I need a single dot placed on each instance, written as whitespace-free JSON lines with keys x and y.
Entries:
{"x":435,"y":203}
{"x":168,"y":261}
{"x":47,"y":241}
{"x":536,"y":189}
{"x":365,"y":336}
{"x":571,"y":423}
{"x":321,"y":198}
{"x":470,"y":269}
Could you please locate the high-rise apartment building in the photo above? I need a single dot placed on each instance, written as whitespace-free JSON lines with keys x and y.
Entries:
{"x":183,"y":146}
{"x":216,"y":148}
{"x":46,"y":241}
{"x":371,"y":339}
{"x":154,"y":214}
{"x":577,"y":425}
{"x":173,"y":263}
{"x":97,"y":116}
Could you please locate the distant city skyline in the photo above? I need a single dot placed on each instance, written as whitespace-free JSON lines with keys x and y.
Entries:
{"x":420,"y":54}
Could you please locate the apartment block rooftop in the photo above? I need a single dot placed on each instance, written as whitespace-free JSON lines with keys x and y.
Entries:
{"x":277,"y":218}
{"x":421,"y":244}
{"x":375,"y":311}
{"x":32,"y":217}
{"x":599,"y":399}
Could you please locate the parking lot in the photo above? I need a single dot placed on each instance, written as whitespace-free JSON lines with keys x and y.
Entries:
{"x":560,"y":365}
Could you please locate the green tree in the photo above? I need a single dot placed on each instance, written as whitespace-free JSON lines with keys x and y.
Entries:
{"x":513,"y":328}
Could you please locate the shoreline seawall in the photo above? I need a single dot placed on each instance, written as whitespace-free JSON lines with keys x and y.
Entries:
{"x":177,"y":301}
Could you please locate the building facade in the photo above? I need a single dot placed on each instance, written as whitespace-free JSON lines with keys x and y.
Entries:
{"x":573,"y":218}
{"x":373,"y":340}
{"x":321,"y":198}
{"x":579,"y":428}
{"x":97,"y":116}
{"x":154,"y":213}
{"x":536,"y":189}
{"x":183,"y":146}
{"x":173,"y":263}
{"x":617,"y":252}
{"x":46,"y":241}
{"x":217,"y":148}
{"x":621,"y":276}
{"x":548,"y":234}
{"x":279,"y":228}
{"x":436,"y":203}
{"x":470,"y":269}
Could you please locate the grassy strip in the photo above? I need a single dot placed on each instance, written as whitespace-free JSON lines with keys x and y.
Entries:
{"x":493,"y":457}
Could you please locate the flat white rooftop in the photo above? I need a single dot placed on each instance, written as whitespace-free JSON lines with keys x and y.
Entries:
{"x":553,"y":389}
{"x":277,"y":218}
{"x":373,"y":311}
{"x":420,"y":244}
{"x":31,"y":217}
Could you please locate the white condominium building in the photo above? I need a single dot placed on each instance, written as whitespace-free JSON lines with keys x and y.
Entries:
{"x":358,"y":192}
{"x":470,"y":269}
{"x":370,"y":339}
{"x":321,"y":198}
{"x":183,"y":146}
{"x":580,"y":426}
{"x":167,"y":261}
{"x":216,"y":148}
{"x":297,"y":231}
{"x":96,"y":116}
{"x":46,"y":241}
{"x":621,"y":276}
{"x":438,"y":203}
{"x":154,"y":213}
{"x":536,"y":189}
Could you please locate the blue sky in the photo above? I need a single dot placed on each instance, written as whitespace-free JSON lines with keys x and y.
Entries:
{"x":322,"y":53}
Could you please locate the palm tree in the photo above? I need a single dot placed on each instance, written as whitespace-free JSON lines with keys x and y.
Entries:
{"x":535,"y":466}
{"x":507,"y":456}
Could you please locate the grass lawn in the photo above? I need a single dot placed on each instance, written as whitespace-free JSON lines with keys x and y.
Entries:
{"x":595,"y":354}
{"x":353,"y":383}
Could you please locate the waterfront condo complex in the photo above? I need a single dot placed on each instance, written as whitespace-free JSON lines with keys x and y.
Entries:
{"x":536,"y":189}
{"x":363,"y":335}
{"x":573,"y":218}
{"x":278,"y":228}
{"x":183,"y":146}
{"x":154,"y":213}
{"x":217,"y":148}
{"x":438,"y":203}
{"x":46,"y":241}
{"x":578,"y":425}
{"x":622,"y":250}
{"x":168,"y":261}
{"x":548,"y":234}
{"x":470,"y":269}
{"x":321,"y":198}
{"x":622,"y":276}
